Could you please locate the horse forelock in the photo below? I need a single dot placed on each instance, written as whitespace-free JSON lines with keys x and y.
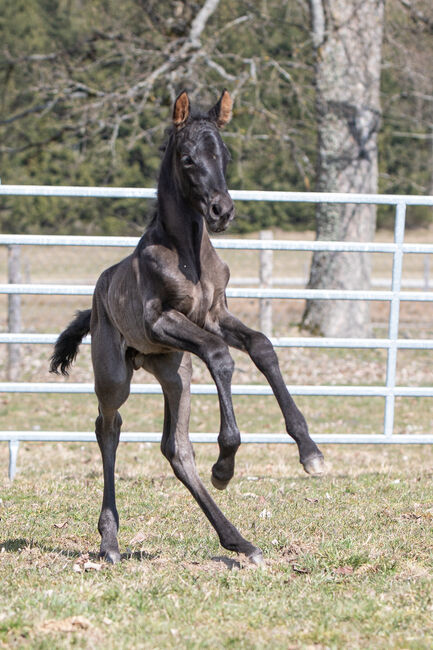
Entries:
{"x":198,"y":126}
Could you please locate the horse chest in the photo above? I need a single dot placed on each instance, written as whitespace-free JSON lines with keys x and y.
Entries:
{"x":190,"y":288}
{"x":196,"y":301}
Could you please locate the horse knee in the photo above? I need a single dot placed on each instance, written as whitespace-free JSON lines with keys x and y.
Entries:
{"x":220,"y":362}
{"x":180,"y":456}
{"x":262,"y":351}
{"x":260,"y":343}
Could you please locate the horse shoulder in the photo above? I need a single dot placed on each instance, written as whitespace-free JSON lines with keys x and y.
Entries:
{"x":214,"y":269}
{"x":167,"y":286}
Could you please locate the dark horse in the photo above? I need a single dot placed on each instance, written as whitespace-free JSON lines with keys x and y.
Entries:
{"x":162,"y":303}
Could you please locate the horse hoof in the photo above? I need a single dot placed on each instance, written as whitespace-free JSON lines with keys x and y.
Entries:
{"x":219,"y":485}
{"x":256,"y":557}
{"x":314,"y":466}
{"x":112,"y":557}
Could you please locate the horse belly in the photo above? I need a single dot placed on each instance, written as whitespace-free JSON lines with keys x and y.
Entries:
{"x":126,"y":311}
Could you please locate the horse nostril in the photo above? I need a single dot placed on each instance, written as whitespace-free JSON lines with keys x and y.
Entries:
{"x":216,"y":209}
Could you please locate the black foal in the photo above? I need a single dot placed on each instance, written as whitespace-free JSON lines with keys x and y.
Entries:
{"x":166,"y":301}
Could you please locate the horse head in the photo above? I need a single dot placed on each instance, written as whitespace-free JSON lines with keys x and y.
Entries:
{"x":200,"y":159}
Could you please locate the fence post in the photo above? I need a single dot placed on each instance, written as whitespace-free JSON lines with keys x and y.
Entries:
{"x":426,"y":272}
{"x":394,"y":316}
{"x":13,"y":455}
{"x":14,"y":311}
{"x":266,"y":268}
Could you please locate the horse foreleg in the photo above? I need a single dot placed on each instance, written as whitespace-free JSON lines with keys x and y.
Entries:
{"x":262,"y":353}
{"x":173,"y":371}
{"x":174,"y":329}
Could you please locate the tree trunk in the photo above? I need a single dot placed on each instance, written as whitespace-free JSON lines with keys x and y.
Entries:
{"x":347,"y":35}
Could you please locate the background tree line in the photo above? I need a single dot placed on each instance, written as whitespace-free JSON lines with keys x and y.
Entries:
{"x":87,"y":88}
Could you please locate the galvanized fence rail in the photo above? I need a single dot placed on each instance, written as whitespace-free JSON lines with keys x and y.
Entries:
{"x":392,"y":343}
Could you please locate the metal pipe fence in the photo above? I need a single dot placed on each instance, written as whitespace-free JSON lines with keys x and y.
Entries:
{"x":395,"y":295}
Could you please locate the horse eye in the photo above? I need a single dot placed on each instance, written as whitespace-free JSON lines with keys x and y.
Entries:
{"x":187,"y":161}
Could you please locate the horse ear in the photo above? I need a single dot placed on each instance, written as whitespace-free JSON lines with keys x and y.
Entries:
{"x":221,"y":113}
{"x":181,"y":109}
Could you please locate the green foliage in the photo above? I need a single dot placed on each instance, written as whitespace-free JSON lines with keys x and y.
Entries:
{"x":77,"y":108}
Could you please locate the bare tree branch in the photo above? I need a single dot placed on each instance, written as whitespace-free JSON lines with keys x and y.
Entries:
{"x":28,"y":111}
{"x":219,"y":68}
{"x":416,"y":14}
{"x":199,"y":22}
{"x":318,"y":22}
{"x":10,"y":60}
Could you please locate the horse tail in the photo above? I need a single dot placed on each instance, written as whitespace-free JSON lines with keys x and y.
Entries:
{"x":66,"y":347}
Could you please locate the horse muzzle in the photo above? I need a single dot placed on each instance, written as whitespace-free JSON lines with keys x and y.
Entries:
{"x":220,"y":212}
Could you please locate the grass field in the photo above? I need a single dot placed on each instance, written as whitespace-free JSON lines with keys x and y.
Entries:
{"x":349,"y":560}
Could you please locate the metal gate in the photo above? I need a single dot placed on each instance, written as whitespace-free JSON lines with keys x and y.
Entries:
{"x":389,"y":391}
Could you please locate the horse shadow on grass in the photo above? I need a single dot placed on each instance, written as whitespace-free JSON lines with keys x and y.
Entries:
{"x":17,"y":545}
{"x":228,"y":562}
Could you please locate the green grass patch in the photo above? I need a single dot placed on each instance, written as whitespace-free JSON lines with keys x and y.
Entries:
{"x":348,"y":557}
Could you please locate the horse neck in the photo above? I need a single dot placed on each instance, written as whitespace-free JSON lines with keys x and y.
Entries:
{"x":183,"y":226}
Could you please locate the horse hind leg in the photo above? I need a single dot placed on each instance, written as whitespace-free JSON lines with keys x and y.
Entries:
{"x":107,"y":427}
{"x":112,"y":381}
